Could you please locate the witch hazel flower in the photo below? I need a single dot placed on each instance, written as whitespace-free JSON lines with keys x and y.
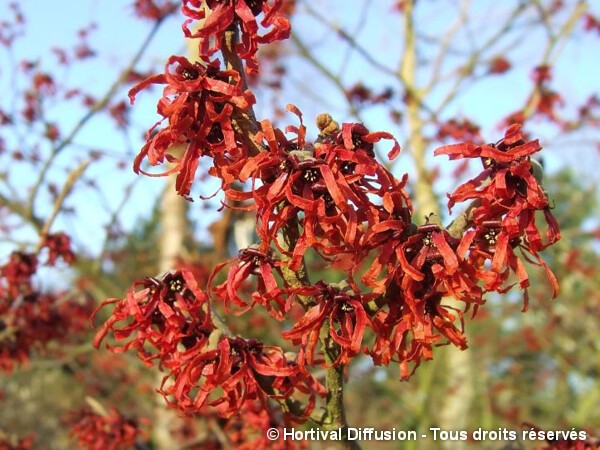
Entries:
{"x":342,"y":309}
{"x":220,"y":15}
{"x":252,"y":264}
{"x":199,"y":102}
{"x":161,"y":318}
{"x":168,"y":321}
{"x":327,"y":186}
{"x":235,"y":371}
{"x":111,"y":431}
{"x":507,"y":194}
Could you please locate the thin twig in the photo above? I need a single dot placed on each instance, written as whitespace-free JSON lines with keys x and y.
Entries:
{"x":75,"y":175}
{"x":99,"y":106}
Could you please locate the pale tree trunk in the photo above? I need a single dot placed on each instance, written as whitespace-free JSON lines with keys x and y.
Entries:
{"x":174,"y":228}
{"x":459,"y":392}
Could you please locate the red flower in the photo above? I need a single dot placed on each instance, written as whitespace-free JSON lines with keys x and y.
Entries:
{"x":541,"y":74}
{"x":224,"y":13}
{"x":328,"y":187}
{"x":499,"y":65}
{"x":513,"y":192}
{"x":252,"y":262}
{"x":30,"y":319}
{"x":169,"y":321}
{"x":507,"y":195}
{"x":407,"y":333}
{"x":198,"y":102}
{"x":35,"y":319}
{"x":234,"y":372}
{"x":347,"y":319}
{"x":15,"y":276}
{"x":459,"y":130}
{"x":59,"y":246}
{"x":591,"y":23}
{"x":248,"y":431}
{"x":154,"y":9}
{"x":421,"y":269}
{"x":164,"y":320}
{"x":545,"y":98}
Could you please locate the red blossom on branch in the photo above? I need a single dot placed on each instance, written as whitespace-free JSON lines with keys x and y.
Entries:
{"x":198,"y":102}
{"x":345,"y":314}
{"x":225,"y":14}
{"x":154,"y":9}
{"x":330,"y":196}
{"x":158,"y":318}
{"x":499,"y":65}
{"x":59,"y":246}
{"x":29,"y":319}
{"x":329,"y":185}
{"x":169,"y":320}
{"x":16,"y":274}
{"x":252,"y":262}
{"x":459,"y":130}
{"x":235,"y":371}
{"x":508,"y":193}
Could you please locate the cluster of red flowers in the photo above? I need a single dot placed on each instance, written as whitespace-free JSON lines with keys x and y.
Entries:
{"x":29,"y":318}
{"x":199,"y":103}
{"x":154,"y":9}
{"x":169,"y":321}
{"x":253,"y":262}
{"x":225,"y":14}
{"x":245,"y":431}
{"x":507,"y":193}
{"x":112,"y":431}
{"x":361,"y":95}
{"x":330,"y":196}
{"x":458,"y":130}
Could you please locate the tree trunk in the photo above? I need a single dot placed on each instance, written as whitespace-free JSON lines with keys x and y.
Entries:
{"x":458,"y":373}
{"x":174,"y":228}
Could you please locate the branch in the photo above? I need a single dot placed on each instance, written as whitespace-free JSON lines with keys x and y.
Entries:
{"x":424,"y":195}
{"x":74,"y":175}
{"x":464,"y":220}
{"x":244,"y":121}
{"x":306,"y":54}
{"x":99,"y":106}
{"x":467,"y":71}
{"x":335,"y":414}
{"x":553,"y":41}
{"x":366,"y":54}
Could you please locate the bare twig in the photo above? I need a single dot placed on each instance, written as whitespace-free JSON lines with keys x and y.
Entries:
{"x":99,"y":106}
{"x":74,"y":175}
